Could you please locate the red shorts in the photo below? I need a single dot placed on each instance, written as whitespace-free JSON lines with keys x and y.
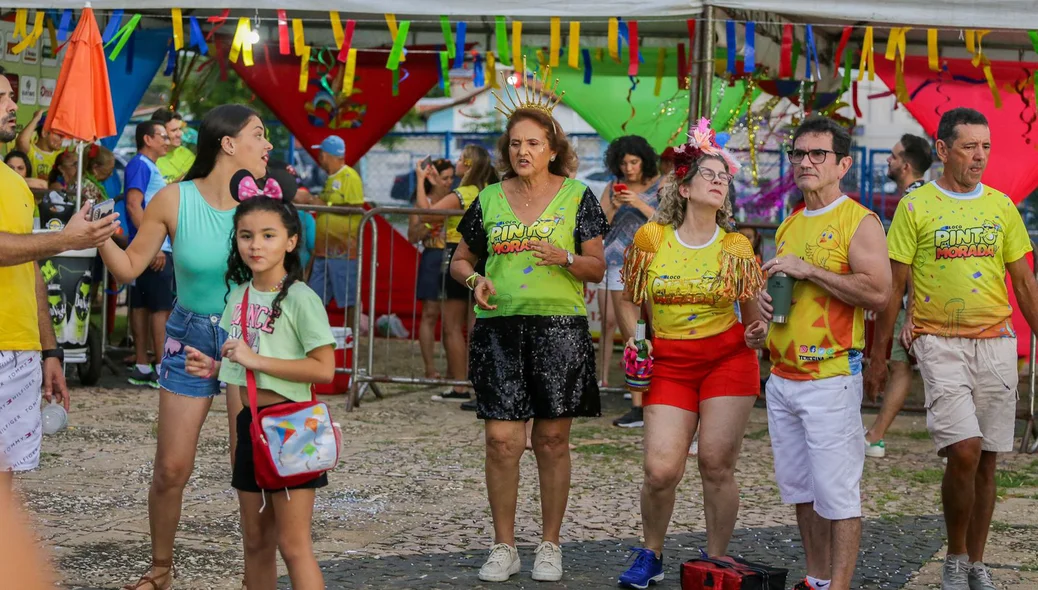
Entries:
{"x":686,"y":372}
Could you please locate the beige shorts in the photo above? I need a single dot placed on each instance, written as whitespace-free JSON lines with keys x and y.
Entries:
{"x":971,"y":389}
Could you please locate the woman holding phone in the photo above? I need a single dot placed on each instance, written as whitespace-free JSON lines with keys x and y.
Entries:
{"x":628,"y":203}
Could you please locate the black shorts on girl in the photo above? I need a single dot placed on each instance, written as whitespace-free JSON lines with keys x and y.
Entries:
{"x":526,"y":367}
{"x":243,"y":476}
{"x":429,"y":285}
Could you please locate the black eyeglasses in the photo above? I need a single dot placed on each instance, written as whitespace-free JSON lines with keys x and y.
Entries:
{"x":709,"y":175}
{"x":816,"y":156}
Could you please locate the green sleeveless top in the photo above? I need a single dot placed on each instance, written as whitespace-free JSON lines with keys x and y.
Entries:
{"x":492,"y":230}
{"x":200,"y":252}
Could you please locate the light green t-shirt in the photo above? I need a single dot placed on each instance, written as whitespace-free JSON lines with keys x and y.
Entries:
{"x":175,"y":164}
{"x":302,"y":327}
{"x":523,"y":287}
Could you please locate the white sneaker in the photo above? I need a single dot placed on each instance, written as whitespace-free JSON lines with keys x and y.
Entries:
{"x":502,"y":564}
{"x":547,"y":565}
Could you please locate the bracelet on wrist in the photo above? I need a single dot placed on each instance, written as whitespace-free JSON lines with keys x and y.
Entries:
{"x":470,"y":282}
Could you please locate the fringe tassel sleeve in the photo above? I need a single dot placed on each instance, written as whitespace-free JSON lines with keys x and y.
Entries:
{"x":637,"y":258}
{"x":740,"y":277}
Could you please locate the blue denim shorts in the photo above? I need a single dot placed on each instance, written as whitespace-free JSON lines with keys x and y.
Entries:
{"x":335,"y":278}
{"x":198,"y":331}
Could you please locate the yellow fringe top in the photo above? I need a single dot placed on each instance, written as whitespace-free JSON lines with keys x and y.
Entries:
{"x":739,"y":278}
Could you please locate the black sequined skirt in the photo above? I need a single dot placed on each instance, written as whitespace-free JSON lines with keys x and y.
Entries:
{"x":526,"y":367}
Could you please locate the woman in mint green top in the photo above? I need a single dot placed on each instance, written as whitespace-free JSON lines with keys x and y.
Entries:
{"x":531,"y":355}
{"x":197,"y":216}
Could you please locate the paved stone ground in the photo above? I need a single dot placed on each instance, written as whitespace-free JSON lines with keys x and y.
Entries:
{"x":407,"y":507}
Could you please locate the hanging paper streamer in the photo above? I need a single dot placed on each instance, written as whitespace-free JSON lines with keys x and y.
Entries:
{"x":217,"y":22}
{"x":931,"y":50}
{"x":459,"y":56}
{"x":337,"y":34}
{"x":786,"y":56}
{"x":613,"y":34}
{"x":868,"y":58}
{"x":347,"y":41}
{"x":848,"y":62}
{"x":844,"y":38}
{"x":242,"y":43}
{"x":445,"y":78}
{"x":995,"y":94}
{"x":492,"y":70}
{"x":349,"y":72}
{"x":730,"y":42}
{"x":1032,"y":34}
{"x":171,"y":61}
{"x":478,"y":78}
{"x":178,"y":29}
{"x":587,"y":65}
{"x":682,"y":68}
{"x":555,"y":42}
{"x":896,"y":49}
{"x":502,"y":40}
{"x":574,"y":45}
{"x":52,"y":34}
{"x":34,"y":36}
{"x":854,"y":99}
{"x":398,"y":46}
{"x":661,"y":67}
{"x":110,"y":29}
{"x":122,"y":36}
{"x":391,"y":23}
{"x":749,"y":64}
{"x":396,"y":82}
{"x":65,"y":26}
{"x":198,"y":38}
{"x":691,"y":24}
{"x":284,"y":43}
{"x":304,"y":67}
{"x":298,"y":38}
{"x":634,"y":54}
{"x":814,"y":71}
{"x":978,"y":57}
{"x":517,"y":46}
{"x":448,"y":36}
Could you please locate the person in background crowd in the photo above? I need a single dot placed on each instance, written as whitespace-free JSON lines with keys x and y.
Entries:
{"x":531,"y":355}
{"x":178,"y":160}
{"x":906,"y":165}
{"x":63,"y":174}
{"x":476,"y":170}
{"x":333,"y":269}
{"x":197,"y":214}
{"x":628,"y":203}
{"x":153,"y":293}
{"x":965,"y":343}
{"x":691,"y":269}
{"x":429,"y":286}
{"x":30,"y":359}
{"x":44,"y":150}
{"x":19,"y":162}
{"x":836,"y":252}
{"x":667,"y":162}
{"x":99,"y":165}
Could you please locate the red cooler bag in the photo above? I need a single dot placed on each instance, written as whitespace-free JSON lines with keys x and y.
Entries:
{"x":715,"y":574}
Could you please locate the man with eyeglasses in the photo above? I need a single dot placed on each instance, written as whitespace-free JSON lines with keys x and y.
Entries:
{"x":958,"y":237}
{"x":836,"y":252}
{"x":152,"y":294}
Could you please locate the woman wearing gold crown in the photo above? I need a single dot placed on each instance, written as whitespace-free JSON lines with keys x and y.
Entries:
{"x":692,"y":270}
{"x":531,"y":355}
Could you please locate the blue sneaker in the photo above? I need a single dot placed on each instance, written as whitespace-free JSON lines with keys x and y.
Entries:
{"x":646,"y":569}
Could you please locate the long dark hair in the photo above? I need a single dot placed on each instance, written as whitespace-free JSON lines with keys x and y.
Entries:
{"x":238,"y":272}
{"x":223,"y":121}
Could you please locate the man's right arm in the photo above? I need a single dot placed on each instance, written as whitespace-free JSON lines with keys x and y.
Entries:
{"x":18,"y":249}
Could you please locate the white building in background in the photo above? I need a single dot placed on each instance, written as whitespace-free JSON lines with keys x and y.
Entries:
{"x":881,"y":124}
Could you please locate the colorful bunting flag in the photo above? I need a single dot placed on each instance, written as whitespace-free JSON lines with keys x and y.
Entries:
{"x":555,"y":43}
{"x":574,"y":45}
{"x":931,"y":50}
{"x":178,"y":29}
{"x":304,"y":67}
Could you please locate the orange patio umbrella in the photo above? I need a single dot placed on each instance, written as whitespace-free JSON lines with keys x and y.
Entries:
{"x":82,"y":104}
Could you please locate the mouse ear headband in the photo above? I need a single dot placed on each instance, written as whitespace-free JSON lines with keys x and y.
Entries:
{"x":277,"y":184}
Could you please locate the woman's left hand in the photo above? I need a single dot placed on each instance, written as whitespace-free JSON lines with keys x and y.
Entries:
{"x":755,"y":334}
{"x":240,"y":352}
{"x":548,"y":254}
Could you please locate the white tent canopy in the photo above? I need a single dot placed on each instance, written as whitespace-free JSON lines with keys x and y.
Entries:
{"x":982,"y":14}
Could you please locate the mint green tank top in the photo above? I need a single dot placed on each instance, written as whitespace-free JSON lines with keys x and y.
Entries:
{"x":200,"y":251}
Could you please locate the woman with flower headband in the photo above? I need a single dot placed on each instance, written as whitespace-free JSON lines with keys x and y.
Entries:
{"x":692,"y":268}
{"x":531,"y":355}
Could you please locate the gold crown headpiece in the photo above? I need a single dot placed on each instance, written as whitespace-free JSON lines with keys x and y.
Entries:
{"x":543,"y":99}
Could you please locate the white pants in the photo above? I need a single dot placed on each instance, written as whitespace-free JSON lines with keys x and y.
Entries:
{"x":817,"y":439}
{"x":21,"y":432}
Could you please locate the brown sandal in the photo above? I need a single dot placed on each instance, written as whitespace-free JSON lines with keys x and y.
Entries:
{"x":146,"y":580}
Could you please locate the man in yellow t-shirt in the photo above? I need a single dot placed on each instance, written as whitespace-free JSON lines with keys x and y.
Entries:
{"x":30,"y":360}
{"x":958,"y":238}
{"x":333,"y":273}
{"x":44,"y":151}
{"x":835,"y":250}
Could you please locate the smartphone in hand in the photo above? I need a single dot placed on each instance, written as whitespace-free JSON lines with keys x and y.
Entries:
{"x":102,"y":209}
{"x":426,"y":162}
{"x":619,"y":187}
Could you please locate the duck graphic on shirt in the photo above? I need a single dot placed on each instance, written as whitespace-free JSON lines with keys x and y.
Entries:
{"x":828,"y":241}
